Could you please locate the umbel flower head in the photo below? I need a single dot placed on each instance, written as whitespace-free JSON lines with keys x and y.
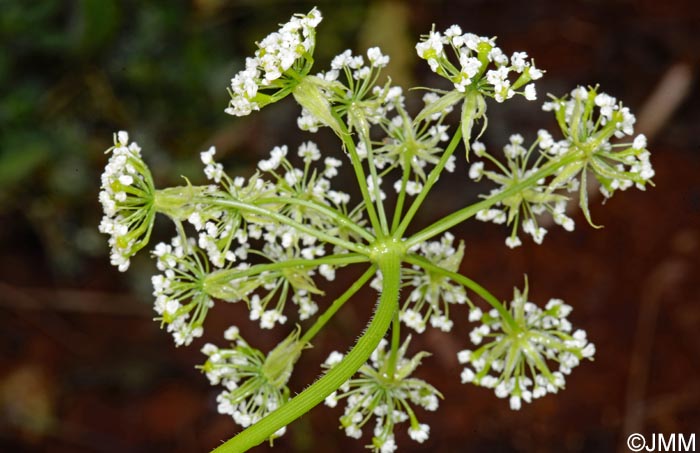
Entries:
{"x":432,"y":293}
{"x":414,"y":145}
{"x":481,"y":70}
{"x":358,"y":97}
{"x":475,"y":54}
{"x":386,"y":391}
{"x":589,"y":119}
{"x":255,"y":384}
{"x":128,"y":200}
{"x":181,"y":300}
{"x":518,"y":344}
{"x":523,"y":207}
{"x":282,"y":59}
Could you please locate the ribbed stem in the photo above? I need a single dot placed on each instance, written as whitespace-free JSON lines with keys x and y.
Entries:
{"x":335,"y":306}
{"x":389,"y":263}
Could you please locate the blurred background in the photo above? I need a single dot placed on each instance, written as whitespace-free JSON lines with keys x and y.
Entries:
{"x":83,"y":368}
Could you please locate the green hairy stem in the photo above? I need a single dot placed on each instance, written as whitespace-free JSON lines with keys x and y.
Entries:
{"x":389,"y":263}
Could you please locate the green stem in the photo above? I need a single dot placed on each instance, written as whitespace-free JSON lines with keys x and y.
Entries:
{"x":389,"y":263}
{"x":375,"y":186}
{"x":254,"y":209}
{"x":337,"y":217}
{"x":342,"y":259}
{"x":359,"y":174}
{"x":467,"y":283}
{"x":432,"y":179}
{"x":463,"y":214}
{"x":335,"y":306}
{"x":395,"y":344}
{"x":398,"y":210}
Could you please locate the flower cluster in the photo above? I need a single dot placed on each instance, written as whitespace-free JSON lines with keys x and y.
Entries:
{"x":386,"y":391}
{"x":532,"y":201}
{"x":229,"y":235}
{"x":311,"y":183}
{"x":519,"y":343}
{"x":589,"y":119}
{"x":127,"y":196}
{"x":181,"y":300}
{"x":359,"y":97}
{"x":475,"y":54}
{"x":223,"y":233}
{"x":414,"y":145}
{"x":484,"y":71}
{"x":282,"y":58}
{"x":432,"y":293}
{"x":255,"y":384}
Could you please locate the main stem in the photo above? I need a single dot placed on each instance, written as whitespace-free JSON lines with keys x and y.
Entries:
{"x":335,"y":306}
{"x":389,"y":263}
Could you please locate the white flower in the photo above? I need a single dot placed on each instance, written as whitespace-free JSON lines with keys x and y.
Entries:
{"x":606,"y":103}
{"x":475,"y":314}
{"x":513,"y":242}
{"x":476,"y":170}
{"x":373,"y":191}
{"x":276,"y":155}
{"x":478,"y":148}
{"x":515,"y":403}
{"x":376,"y":58}
{"x":530,"y":92}
{"x":213,"y":170}
{"x":413,"y":320}
{"x":309,"y":152}
{"x":640,"y":142}
{"x":464,"y":356}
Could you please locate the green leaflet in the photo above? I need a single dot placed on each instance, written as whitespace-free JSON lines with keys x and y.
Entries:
{"x":309,"y":95}
{"x":440,"y":106}
{"x":280,"y":361}
{"x":452,"y":262}
{"x":473,"y":109}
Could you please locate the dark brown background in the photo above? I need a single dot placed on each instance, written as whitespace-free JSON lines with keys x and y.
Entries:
{"x":84,"y":368}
